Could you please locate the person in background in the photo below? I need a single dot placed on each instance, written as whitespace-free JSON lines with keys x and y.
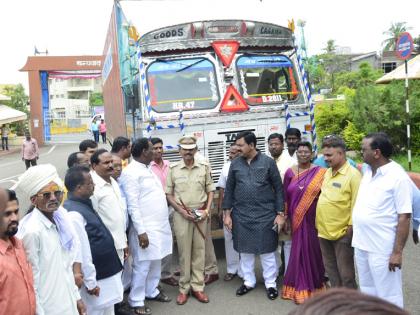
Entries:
{"x":232,"y":256}
{"x":30,"y":151}
{"x":254,"y":212}
{"x":160,"y":168}
{"x":102,"y":130}
{"x":94,"y":127}
{"x":189,"y":190}
{"x":16,"y":278}
{"x":77,"y":158}
{"x":293,"y":137}
{"x":334,"y":212}
{"x":50,"y":242}
{"x":381,"y":220}
{"x":88,"y":147}
{"x":320,"y":160}
{"x":5,"y":137}
{"x":284,"y":161}
{"x":101,"y":265}
{"x":416,"y":212}
{"x":302,"y":185}
{"x":121,"y":146}
{"x":344,"y":301}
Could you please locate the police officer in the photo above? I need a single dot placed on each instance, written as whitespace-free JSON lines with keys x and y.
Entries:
{"x":189,"y":190}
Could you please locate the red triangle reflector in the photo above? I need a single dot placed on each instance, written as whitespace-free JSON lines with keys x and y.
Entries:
{"x":226,"y":50}
{"x":233,"y":101}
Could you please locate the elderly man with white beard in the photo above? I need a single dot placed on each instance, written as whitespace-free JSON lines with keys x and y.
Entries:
{"x":49,"y":241}
{"x":150,"y":232}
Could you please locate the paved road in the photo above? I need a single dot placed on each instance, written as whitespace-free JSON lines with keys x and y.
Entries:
{"x":222,"y":294}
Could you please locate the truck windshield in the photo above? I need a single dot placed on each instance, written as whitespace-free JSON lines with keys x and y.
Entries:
{"x":267,"y":79}
{"x":187,"y":84}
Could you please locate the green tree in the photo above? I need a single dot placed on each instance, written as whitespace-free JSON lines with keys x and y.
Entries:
{"x":96,"y":99}
{"x":331,"y":118}
{"x":382,"y":108}
{"x":332,"y":63}
{"x":19,"y":99}
{"x":331,"y":47}
{"x":392,"y":34}
{"x":316,"y":72}
{"x":364,"y":76}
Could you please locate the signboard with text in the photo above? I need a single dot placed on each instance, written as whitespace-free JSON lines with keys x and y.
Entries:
{"x":404,"y":46}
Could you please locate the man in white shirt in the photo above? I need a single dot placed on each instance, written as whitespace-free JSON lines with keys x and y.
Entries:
{"x":101,"y":265}
{"x":292,"y":137}
{"x":160,"y":167}
{"x":381,"y":220}
{"x":150,"y":233}
{"x":232,"y":256}
{"x":49,"y":241}
{"x":107,"y":200}
{"x":285,"y":159}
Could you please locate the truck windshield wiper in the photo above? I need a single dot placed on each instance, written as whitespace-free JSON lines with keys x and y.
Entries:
{"x":191,"y":65}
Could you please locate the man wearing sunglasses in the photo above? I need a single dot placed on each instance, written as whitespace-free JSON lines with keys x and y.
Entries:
{"x":50,"y":242}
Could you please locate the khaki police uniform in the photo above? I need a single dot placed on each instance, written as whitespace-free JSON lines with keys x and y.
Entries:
{"x":191,"y":185}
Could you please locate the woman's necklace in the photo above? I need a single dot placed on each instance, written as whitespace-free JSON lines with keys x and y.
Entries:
{"x":304,"y":183}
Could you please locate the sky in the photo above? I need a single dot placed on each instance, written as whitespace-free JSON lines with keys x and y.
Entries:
{"x":79,"y":27}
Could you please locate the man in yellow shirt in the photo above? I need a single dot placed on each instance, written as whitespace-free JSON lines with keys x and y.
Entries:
{"x":333,"y":213}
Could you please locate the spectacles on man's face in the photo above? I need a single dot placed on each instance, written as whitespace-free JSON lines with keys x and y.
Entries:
{"x":47,"y":194}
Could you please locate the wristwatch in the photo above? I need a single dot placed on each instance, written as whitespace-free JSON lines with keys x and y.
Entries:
{"x":280,"y":213}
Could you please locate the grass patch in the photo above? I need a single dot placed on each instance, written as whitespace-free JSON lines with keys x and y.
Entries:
{"x":403,"y":160}
{"x":400,"y":158}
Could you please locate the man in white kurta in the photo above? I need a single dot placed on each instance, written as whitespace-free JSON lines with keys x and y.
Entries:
{"x":107,"y":200}
{"x":381,"y":221}
{"x":232,"y":256}
{"x":150,"y":235}
{"x":49,"y":242}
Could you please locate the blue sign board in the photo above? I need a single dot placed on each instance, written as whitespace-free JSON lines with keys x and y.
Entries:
{"x":404,"y":46}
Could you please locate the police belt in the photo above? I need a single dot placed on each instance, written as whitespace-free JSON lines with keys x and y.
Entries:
{"x":195,"y":222}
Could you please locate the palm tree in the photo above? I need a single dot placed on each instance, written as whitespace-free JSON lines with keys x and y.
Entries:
{"x":393,"y":33}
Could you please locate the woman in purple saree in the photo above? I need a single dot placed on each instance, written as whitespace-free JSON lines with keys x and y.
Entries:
{"x":302,"y":184}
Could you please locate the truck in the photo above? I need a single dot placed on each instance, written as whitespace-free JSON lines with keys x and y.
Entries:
{"x":213,"y":79}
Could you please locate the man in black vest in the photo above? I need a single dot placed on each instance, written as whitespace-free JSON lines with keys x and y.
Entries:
{"x":101,"y":265}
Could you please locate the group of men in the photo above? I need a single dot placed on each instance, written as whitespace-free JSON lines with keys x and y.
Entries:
{"x":360,"y":221}
{"x":109,"y":226}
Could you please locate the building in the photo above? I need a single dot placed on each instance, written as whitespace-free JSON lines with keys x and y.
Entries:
{"x":59,"y":90}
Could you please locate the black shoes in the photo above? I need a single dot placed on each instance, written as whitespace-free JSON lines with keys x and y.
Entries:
{"x":243,"y":289}
{"x":272,"y":293}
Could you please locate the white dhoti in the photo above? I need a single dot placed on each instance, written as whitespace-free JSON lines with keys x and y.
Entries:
{"x":127,"y":273}
{"x":269,"y":266}
{"x":232,"y":256}
{"x":144,"y":282}
{"x":376,"y":279}
{"x":148,"y":209}
{"x":111,"y":292}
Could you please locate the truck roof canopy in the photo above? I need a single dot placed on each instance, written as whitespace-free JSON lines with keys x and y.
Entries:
{"x":201,"y":34}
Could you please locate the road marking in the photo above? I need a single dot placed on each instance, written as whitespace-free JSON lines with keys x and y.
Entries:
{"x":52,"y":149}
{"x":20,"y":160}
{"x":9,"y":179}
